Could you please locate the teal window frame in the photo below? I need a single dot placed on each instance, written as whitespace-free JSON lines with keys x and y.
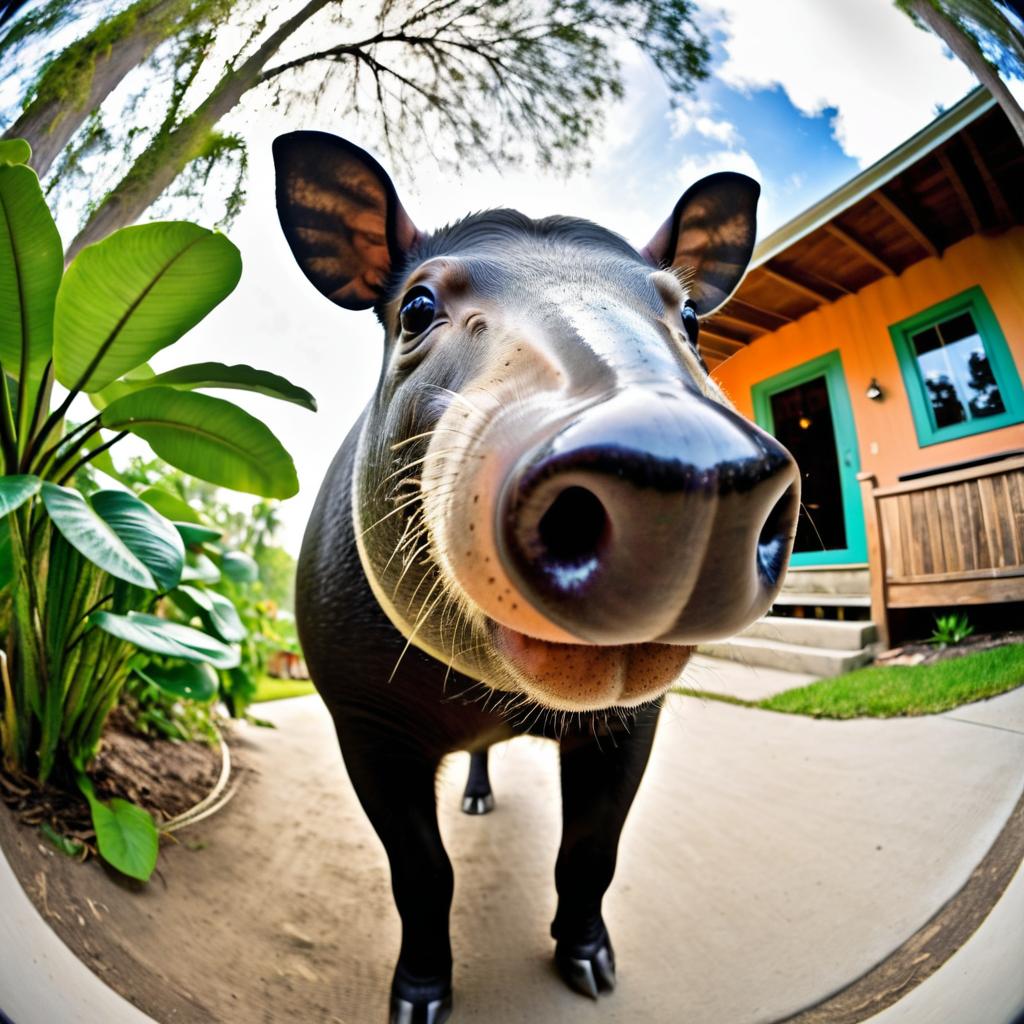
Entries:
{"x":830,"y":366}
{"x":1000,"y":359}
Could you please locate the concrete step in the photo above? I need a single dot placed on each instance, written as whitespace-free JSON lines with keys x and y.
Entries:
{"x":826,"y":580}
{"x":811,"y":599}
{"x":844,"y":636}
{"x":817,"y":661}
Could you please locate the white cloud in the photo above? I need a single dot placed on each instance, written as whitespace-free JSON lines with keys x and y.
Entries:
{"x":696,"y":116}
{"x":694,"y":167}
{"x":883,"y":75}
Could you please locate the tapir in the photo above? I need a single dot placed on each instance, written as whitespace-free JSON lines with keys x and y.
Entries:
{"x":545,"y":505}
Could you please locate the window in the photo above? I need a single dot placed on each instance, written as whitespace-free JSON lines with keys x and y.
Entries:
{"x":958,"y":371}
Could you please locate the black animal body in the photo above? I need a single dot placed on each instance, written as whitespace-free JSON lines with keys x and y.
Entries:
{"x":546,"y":503}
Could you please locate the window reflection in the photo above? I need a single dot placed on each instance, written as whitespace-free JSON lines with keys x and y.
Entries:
{"x":956,"y":371}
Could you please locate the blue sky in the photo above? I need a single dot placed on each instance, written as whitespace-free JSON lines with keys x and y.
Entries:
{"x":803,"y":94}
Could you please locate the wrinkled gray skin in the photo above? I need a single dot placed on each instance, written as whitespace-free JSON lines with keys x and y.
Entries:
{"x":544,"y":506}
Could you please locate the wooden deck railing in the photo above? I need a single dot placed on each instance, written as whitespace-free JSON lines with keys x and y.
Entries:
{"x":949,"y":539}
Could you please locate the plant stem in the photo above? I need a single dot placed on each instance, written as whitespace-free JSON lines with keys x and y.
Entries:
{"x":47,"y":428}
{"x":8,"y":435}
{"x":42,"y":403}
{"x":89,"y":427}
{"x":9,"y":732}
{"x":90,"y":455}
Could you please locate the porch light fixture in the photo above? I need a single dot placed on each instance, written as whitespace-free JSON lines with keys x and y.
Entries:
{"x":874,"y":391}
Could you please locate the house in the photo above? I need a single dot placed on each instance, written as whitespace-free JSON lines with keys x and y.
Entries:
{"x":880,"y":336}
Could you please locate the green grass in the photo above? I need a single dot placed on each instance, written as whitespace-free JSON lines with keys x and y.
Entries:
{"x":278,"y":689}
{"x":887,"y":691}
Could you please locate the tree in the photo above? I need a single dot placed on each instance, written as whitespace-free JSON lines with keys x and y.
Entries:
{"x":463,"y":81}
{"x":69,"y":88}
{"x":982,"y":36}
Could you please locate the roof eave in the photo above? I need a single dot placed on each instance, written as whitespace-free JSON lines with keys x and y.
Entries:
{"x":971,"y":107}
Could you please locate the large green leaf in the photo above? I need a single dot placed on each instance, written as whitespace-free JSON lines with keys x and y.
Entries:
{"x":140,"y":377}
{"x":239,"y":567}
{"x":170,"y":505}
{"x":207,"y":437}
{"x":217,"y":613}
{"x":15,"y":151}
{"x":195,"y":533}
{"x":219,"y":375}
{"x":134,"y":293}
{"x":31,"y":262}
{"x":16,"y":490}
{"x":194,"y":680}
{"x":199,"y":567}
{"x":150,"y":537}
{"x":162,"y":637}
{"x":85,"y":531}
{"x":125,"y":834}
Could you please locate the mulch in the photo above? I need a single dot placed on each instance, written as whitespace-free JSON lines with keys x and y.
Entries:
{"x":162,"y":776}
{"x":925,"y":653}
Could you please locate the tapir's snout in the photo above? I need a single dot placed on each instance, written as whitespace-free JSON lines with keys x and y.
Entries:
{"x":653,"y":516}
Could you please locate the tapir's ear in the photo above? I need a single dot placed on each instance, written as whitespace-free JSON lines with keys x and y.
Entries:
{"x":341,"y":216}
{"x":710,"y":235}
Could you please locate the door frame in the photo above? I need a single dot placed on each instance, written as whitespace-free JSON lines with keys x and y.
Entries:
{"x":830,"y":366}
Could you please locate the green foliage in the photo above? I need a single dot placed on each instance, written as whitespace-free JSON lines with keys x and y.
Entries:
{"x":208,"y":437}
{"x":69,"y":847}
{"x":28,"y":284}
{"x":125,"y":834}
{"x":92,"y":536}
{"x":886,"y":691}
{"x":163,"y":711}
{"x":15,"y":151}
{"x":135,"y":293}
{"x":154,"y":633}
{"x":217,"y":375}
{"x":84,"y":569}
{"x":951,"y":629}
{"x":185,"y":680}
{"x":237,"y":579}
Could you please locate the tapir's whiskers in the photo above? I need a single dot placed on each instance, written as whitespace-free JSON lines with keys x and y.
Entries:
{"x":421,"y":618}
{"x":814,"y":527}
{"x":416,"y":462}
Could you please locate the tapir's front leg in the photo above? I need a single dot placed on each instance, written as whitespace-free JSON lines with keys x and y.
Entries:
{"x":600,"y":776}
{"x":394,"y":779}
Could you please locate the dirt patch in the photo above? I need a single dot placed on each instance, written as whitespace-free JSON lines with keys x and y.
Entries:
{"x":165,"y":778}
{"x":925,"y":653}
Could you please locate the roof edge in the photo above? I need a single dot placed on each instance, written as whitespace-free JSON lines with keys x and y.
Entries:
{"x":947,"y":124}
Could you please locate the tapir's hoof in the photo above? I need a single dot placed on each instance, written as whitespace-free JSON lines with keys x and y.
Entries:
{"x":478,"y":804}
{"x":588,"y":970}
{"x":435,"y":1011}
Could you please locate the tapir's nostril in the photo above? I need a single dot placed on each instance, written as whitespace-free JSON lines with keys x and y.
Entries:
{"x":572,"y":533}
{"x":647,"y":518}
{"x":773,"y":540}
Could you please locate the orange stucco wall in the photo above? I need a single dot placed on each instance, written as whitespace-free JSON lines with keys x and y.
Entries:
{"x":857,"y":325}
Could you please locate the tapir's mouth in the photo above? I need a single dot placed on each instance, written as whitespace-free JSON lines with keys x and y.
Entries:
{"x":589,"y":677}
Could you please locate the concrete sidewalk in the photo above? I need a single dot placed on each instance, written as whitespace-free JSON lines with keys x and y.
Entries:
{"x":748,"y":682}
{"x":769,"y":861}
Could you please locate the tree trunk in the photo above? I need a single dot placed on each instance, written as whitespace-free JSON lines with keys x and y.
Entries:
{"x":965,"y":48}
{"x":168,"y":155}
{"x":49,"y":122}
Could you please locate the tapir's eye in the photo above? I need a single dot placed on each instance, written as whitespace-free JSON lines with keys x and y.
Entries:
{"x":690,"y":322}
{"x":418,"y":311}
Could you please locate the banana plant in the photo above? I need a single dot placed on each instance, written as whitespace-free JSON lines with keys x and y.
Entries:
{"x":81,"y":577}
